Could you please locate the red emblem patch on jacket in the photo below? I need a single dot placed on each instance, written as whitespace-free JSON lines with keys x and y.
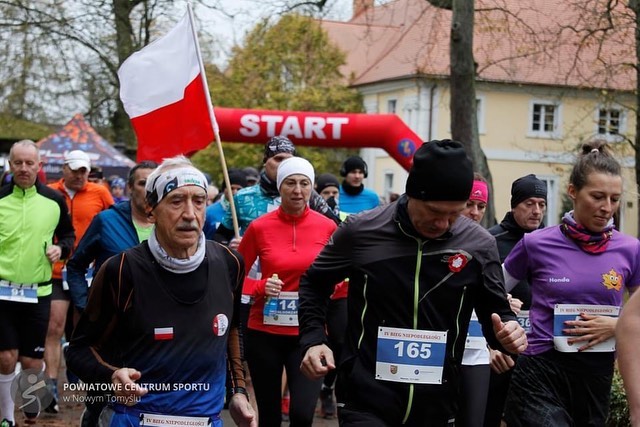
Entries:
{"x":220,"y":324}
{"x":457,"y":263}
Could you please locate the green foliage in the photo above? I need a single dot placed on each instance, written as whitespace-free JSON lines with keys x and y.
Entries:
{"x":289,"y":65}
{"x":618,"y":407}
{"x":14,"y":128}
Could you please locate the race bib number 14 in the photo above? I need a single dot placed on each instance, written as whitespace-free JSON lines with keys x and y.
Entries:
{"x":283,"y":310}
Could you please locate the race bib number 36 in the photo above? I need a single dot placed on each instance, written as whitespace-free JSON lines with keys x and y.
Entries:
{"x":523,"y":320}
{"x":410,"y":355}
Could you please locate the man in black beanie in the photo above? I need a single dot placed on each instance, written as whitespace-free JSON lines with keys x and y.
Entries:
{"x":354,"y":197}
{"x":328,"y":186}
{"x":416,"y":270}
{"x":253,"y":175}
{"x":528,"y":206}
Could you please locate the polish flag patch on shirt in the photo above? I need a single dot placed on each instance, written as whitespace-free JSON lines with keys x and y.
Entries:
{"x":162,"y":334}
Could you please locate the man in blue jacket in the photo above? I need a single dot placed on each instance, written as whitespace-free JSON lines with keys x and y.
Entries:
{"x":354,"y":198}
{"x":112,"y":231}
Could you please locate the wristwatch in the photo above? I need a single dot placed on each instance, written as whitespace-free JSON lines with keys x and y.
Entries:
{"x":241,"y":390}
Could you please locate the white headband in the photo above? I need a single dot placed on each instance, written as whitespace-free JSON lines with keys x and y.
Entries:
{"x":293,"y":166}
{"x":169,"y":180}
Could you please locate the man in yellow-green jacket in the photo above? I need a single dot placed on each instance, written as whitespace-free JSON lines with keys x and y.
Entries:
{"x":31,"y":216}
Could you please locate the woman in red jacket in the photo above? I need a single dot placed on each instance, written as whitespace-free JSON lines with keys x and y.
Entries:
{"x":287,"y":241}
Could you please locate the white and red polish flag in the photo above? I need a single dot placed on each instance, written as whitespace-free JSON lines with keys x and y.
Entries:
{"x":163,"y":89}
{"x":163,"y":334}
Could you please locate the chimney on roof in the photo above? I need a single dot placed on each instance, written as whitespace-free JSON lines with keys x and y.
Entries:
{"x":361,"y":6}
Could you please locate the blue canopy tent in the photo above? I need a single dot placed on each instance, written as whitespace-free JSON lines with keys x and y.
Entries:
{"x":79,"y":135}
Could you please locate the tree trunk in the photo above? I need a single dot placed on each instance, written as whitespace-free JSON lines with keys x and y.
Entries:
{"x":635,"y":7}
{"x":122,"y":128}
{"x":464,"y":121}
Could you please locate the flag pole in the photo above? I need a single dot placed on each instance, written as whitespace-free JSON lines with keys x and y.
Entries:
{"x":214,"y":124}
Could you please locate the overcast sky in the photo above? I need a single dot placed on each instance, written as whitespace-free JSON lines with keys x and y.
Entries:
{"x":240,"y":16}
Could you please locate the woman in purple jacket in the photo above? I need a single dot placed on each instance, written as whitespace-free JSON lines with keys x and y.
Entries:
{"x":578,"y":272}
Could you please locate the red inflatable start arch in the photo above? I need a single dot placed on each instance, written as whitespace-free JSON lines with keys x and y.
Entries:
{"x":386,"y":131}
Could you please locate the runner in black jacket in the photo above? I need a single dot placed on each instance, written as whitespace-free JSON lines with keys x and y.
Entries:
{"x":416,"y":269}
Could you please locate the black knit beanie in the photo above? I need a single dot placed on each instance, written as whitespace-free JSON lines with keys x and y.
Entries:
{"x":237,"y":177}
{"x":441,"y":171}
{"x":352,"y":163}
{"x":526,"y":187}
{"x":325,"y":180}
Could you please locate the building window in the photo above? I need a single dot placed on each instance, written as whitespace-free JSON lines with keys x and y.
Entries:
{"x":544,"y":120}
{"x":611,"y":123}
{"x":391,"y":106}
{"x":480,"y":102}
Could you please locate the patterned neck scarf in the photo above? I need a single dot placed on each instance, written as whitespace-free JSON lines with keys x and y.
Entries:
{"x":588,"y":241}
{"x":176,"y":265}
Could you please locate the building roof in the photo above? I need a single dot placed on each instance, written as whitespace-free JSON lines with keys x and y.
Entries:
{"x":543,"y":42}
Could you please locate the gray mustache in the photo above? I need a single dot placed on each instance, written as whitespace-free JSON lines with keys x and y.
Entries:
{"x":192,"y":226}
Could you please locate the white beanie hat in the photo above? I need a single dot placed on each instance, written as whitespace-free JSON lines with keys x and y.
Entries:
{"x":293,"y":166}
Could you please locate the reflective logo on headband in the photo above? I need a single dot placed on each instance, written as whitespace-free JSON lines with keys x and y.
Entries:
{"x":171,"y":179}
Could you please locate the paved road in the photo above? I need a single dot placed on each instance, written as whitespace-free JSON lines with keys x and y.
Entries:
{"x":70,"y":416}
{"x":318,"y":421}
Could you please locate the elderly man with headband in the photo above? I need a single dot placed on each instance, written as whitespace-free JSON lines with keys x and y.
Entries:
{"x":169,"y":302}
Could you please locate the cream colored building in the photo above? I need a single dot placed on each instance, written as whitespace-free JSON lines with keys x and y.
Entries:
{"x":534,"y":109}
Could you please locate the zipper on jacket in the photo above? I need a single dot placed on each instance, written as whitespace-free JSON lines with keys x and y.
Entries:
{"x":453,"y":349}
{"x":364,"y":310}
{"x":416,"y":301}
{"x":294,"y":236}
